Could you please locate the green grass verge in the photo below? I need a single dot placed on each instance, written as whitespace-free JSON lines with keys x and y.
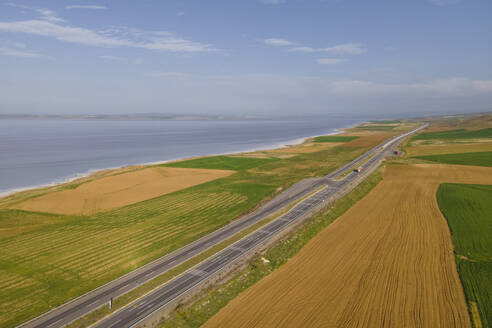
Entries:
{"x":468,"y":209}
{"x":222,"y":163}
{"x":479,"y":158}
{"x":455,"y":134}
{"x":335,"y":138}
{"x":204,"y":308}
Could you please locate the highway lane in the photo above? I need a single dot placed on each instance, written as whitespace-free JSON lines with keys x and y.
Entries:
{"x":131,"y":315}
{"x":100,"y":296}
{"x":93,"y":300}
{"x":162,"y":296}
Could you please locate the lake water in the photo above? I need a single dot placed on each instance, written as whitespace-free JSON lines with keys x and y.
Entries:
{"x":42,"y":152}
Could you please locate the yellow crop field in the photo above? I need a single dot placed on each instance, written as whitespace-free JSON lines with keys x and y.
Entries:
{"x":71,"y":256}
{"x":387,"y":262}
{"x":48,"y":259}
{"x":119,"y":190}
{"x":307,"y":147}
{"x":370,"y":139}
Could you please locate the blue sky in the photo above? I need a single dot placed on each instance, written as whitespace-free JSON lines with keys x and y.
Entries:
{"x":246,"y":56}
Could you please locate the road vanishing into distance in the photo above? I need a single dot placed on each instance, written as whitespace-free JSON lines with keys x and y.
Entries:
{"x":135,"y":312}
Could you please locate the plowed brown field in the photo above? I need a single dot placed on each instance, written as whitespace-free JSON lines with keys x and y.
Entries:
{"x":119,"y":190}
{"x":387,"y":262}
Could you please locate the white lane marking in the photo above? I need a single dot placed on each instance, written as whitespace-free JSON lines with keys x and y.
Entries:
{"x":116,"y":323}
{"x":54,"y":323}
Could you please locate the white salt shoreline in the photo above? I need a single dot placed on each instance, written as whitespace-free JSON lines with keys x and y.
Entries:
{"x":78,"y":176}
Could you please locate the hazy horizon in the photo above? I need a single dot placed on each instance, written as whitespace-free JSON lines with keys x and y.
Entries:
{"x":257,"y":57}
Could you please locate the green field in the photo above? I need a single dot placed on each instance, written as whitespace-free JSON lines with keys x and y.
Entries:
{"x":335,"y":138}
{"x":50,"y":264}
{"x":468,"y":209}
{"x":222,"y":163}
{"x":377,"y":127}
{"x":386,"y":122}
{"x":479,"y":158}
{"x":455,"y":134}
{"x":48,"y":259}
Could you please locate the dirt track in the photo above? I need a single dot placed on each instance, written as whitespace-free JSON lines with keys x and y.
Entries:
{"x":120,"y":190}
{"x":387,"y":262}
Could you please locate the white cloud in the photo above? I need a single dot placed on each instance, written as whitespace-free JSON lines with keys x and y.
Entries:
{"x":483,"y":85}
{"x":18,"y":53}
{"x":49,"y":15}
{"x":330,"y":61}
{"x":277,"y":42}
{"x":304,"y":49}
{"x":85,"y":7}
{"x":254,"y":94}
{"x":447,"y":87}
{"x":181,"y":13}
{"x":347,"y":48}
{"x":341,"y":49}
{"x":151,"y":40}
{"x":46,"y":14}
{"x":62,"y":33}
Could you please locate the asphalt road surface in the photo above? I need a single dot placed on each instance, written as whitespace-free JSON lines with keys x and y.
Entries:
{"x":136,"y":312}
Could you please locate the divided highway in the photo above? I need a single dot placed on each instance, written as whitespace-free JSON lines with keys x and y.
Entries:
{"x":139,"y":310}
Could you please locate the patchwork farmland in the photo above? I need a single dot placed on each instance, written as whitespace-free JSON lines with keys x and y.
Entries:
{"x":50,"y":258}
{"x":467,"y":209}
{"x":119,"y":190}
{"x":388,"y":261}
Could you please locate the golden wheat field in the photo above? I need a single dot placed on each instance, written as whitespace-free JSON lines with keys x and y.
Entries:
{"x":370,"y":138}
{"x":306,"y":147}
{"x":387,"y":262}
{"x":119,"y":190}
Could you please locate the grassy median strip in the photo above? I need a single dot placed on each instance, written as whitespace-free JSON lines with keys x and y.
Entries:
{"x":467,"y":209}
{"x":204,"y":308}
{"x":138,"y":292}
